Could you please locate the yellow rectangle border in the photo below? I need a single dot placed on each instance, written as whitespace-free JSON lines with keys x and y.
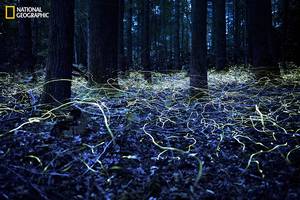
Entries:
{"x":6,"y":12}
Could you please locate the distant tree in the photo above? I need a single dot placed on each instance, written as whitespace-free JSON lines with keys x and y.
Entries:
{"x":139,"y":35}
{"x":291,"y":30}
{"x":236,"y":31}
{"x":163,"y":35}
{"x":220,"y":31}
{"x":260,"y":32}
{"x":121,"y":55}
{"x":182,"y":32}
{"x":80,"y":38}
{"x":3,"y":36}
{"x":24,"y":55}
{"x":186,"y":25}
{"x":198,"y":67}
{"x":155,"y":30}
{"x":103,"y":31}
{"x":284,"y":7}
{"x":60,"y":52}
{"x":177,"y":35}
{"x":129,"y":33}
{"x":213,"y":31}
{"x":145,"y":54}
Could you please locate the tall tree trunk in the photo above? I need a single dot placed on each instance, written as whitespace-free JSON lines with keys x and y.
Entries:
{"x":182,"y":32}
{"x":177,"y":35}
{"x":3,"y":51}
{"x":145,"y":54}
{"x":164,"y":48}
{"x":103,"y":31}
{"x":236,"y":33}
{"x":139,"y":37}
{"x":220,"y":34}
{"x":121,"y":54}
{"x":129,"y":34}
{"x":198,"y":67}
{"x":292,"y":31}
{"x":213,"y":32}
{"x":187,"y":31}
{"x":75,"y":57}
{"x":60,"y":52}
{"x":284,"y":17}
{"x":25,"y":59}
{"x":3,"y":36}
{"x":156,"y":28}
{"x":80,"y":38}
{"x":260,"y":32}
{"x":36,"y":36}
{"x":170,"y":50}
{"x":247,"y":29}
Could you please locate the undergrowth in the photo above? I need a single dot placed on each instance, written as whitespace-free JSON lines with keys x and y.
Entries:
{"x":151,"y":141}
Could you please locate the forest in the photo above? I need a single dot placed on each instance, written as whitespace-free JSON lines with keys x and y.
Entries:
{"x":149,"y":99}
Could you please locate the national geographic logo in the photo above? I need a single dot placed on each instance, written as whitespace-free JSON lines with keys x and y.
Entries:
{"x":13,"y":12}
{"x":10,"y":12}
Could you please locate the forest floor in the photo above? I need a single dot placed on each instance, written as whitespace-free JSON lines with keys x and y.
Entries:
{"x":141,"y":141}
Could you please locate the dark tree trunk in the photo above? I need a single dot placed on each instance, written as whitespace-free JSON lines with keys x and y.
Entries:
{"x":292,"y":31}
{"x":75,"y":49}
{"x":284,"y":17}
{"x":164,"y":46}
{"x":156,"y":29}
{"x":198,"y":68}
{"x":103,"y":31}
{"x":177,"y":35}
{"x":80,"y":37}
{"x":129,"y":34}
{"x":121,"y":56}
{"x":248,"y":39}
{"x":139,"y":37}
{"x":236,"y":33}
{"x":187,"y":31}
{"x":60,"y":53}
{"x":220,"y":34}
{"x":170,"y":49}
{"x":24,"y":58}
{"x":213,"y":32}
{"x":260,"y":32}
{"x":36,"y":36}
{"x":154,"y":37}
{"x":145,"y":54}
{"x":3,"y":36}
{"x":3,"y":52}
{"x":182,"y":33}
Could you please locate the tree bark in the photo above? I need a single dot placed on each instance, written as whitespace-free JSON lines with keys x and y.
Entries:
{"x":177,"y":35}
{"x":103,"y":31}
{"x":60,"y":52}
{"x":182,"y":33}
{"x":3,"y":36}
{"x":291,"y":31}
{"x":220,"y":34}
{"x":284,"y":17}
{"x":139,"y":36}
{"x":129,"y":34}
{"x":164,"y":45}
{"x":213,"y":32}
{"x":260,"y":33}
{"x":24,"y":57}
{"x":121,"y":55}
{"x":80,"y":37}
{"x":198,"y":67}
{"x":145,"y":54}
{"x":236,"y":33}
